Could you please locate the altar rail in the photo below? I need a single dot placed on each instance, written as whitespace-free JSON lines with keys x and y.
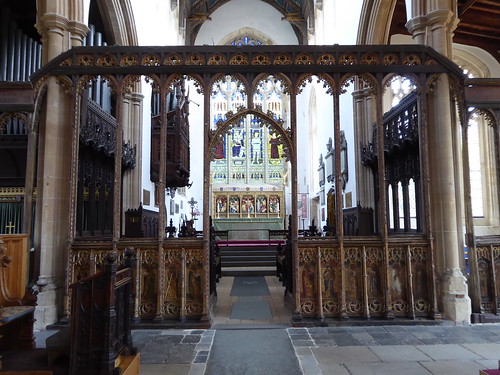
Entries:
{"x":365,"y":279}
{"x":169,"y":279}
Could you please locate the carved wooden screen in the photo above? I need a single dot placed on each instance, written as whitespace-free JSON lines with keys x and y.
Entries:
{"x":402,"y":161}
{"x":177,"y":166}
{"x":95,"y":171}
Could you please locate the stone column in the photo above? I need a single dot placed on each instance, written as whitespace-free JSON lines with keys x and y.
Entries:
{"x":54,"y":159}
{"x":365,"y":117}
{"x":132,"y":183}
{"x":78,"y":31}
{"x":435,"y":28}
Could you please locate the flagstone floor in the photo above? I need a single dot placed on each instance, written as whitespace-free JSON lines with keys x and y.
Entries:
{"x":238,"y":344}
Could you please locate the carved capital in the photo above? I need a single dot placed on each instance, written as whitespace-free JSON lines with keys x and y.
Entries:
{"x":52,"y":23}
{"x":78,"y":32}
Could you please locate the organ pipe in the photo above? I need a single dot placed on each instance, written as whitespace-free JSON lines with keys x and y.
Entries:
{"x":20,"y":55}
{"x":4,"y":33}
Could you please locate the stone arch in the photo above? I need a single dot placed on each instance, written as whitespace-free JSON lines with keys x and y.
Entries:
{"x":467,"y":60}
{"x":233,"y":119}
{"x":247,"y":31}
{"x":375,"y":21}
{"x":119,"y":21}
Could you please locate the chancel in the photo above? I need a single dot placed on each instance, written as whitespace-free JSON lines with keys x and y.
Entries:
{"x":353,"y":165}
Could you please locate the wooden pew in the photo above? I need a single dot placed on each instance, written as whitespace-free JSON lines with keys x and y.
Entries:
{"x":17,"y":311}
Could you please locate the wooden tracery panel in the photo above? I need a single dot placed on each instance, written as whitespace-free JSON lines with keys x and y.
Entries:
{"x":172,"y":289}
{"x":421,"y":279}
{"x":370,"y":280}
{"x":308,"y":263}
{"x":354,"y":281}
{"x":398,"y":281}
{"x":374,"y":260}
{"x":331,"y":281}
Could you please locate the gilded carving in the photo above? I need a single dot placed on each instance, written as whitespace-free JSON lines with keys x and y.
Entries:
{"x":399,"y":307}
{"x":217,"y":60}
{"x":353,"y":306}
{"x":352,"y":255}
{"x":106,"y":60}
{"x":238,"y":59}
{"x":306,"y":255}
{"x":376,"y":306}
{"x":151,"y":60}
{"x":390,"y":59}
{"x":431,"y":83}
{"x":326,"y":59}
{"x":129,"y":60}
{"x":282,"y":59}
{"x":304,"y":59}
{"x":172,"y":60}
{"x":261,"y":60}
{"x":85,"y":60}
{"x":331,"y":307}
{"x":67,"y":62}
{"x":308,"y":307}
{"x":195,"y":59}
{"x":396,"y":255}
{"x":411,"y":60}
{"x":369,"y":59}
{"x":347,"y":60}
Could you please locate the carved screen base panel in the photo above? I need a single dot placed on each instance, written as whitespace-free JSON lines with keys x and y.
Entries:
{"x":488,"y":265}
{"x":169,"y":282}
{"x":361,"y":281}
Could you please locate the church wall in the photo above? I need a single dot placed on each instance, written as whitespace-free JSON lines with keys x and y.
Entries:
{"x":332,"y":26}
{"x":237,"y":13}
{"x":157,"y":22}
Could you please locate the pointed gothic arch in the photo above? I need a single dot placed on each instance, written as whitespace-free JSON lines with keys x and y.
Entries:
{"x":233,"y":119}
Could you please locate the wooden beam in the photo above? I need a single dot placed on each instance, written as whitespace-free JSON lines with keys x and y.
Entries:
{"x":463,"y":8}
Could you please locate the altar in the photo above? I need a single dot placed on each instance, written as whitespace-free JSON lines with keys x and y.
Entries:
{"x":248,"y":229}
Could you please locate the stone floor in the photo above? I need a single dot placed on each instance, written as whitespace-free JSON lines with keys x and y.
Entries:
{"x":248,"y":346}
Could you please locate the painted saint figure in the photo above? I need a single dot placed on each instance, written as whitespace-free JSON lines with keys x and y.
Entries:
{"x":237,"y":144}
{"x":256,"y":147}
{"x":274,"y":141}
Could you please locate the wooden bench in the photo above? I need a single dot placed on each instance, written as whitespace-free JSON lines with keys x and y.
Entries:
{"x":16,"y":312}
